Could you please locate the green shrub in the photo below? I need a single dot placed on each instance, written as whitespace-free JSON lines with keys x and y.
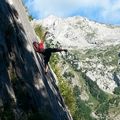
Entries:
{"x":115,"y":101}
{"x":95,"y":90}
{"x":39,"y":31}
{"x":102,"y":110}
{"x":82,"y":111}
{"x":117,"y":90}
{"x":30,"y":17}
{"x":68,"y":75}
{"x":65,"y":88}
{"x":76,"y":90}
{"x":68,"y":95}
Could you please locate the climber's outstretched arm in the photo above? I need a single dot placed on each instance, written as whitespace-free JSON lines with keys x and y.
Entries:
{"x":43,"y":38}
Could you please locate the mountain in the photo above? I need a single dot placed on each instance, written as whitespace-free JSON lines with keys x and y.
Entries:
{"x":26,"y":93}
{"x":79,"y":33}
{"x":91,"y":65}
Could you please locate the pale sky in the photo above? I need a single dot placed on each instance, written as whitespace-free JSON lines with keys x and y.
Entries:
{"x":104,"y":11}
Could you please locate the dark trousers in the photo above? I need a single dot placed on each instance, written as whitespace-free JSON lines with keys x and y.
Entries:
{"x":47,"y":53}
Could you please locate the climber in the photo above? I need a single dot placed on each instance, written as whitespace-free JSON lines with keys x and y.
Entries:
{"x":46,"y":52}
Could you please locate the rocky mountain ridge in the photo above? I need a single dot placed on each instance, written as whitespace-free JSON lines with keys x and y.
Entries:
{"x":79,"y":33}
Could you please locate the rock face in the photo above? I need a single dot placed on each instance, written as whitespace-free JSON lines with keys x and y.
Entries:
{"x":25,"y":91}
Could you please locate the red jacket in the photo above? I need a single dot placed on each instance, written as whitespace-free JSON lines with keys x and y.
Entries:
{"x":39,"y":47}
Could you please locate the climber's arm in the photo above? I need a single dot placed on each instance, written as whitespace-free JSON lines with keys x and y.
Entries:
{"x":43,"y":38}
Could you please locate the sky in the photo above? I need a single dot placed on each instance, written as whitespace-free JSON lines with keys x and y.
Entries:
{"x":103,"y":11}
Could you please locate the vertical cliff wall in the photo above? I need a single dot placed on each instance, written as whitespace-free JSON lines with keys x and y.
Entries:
{"x":25,"y":91}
